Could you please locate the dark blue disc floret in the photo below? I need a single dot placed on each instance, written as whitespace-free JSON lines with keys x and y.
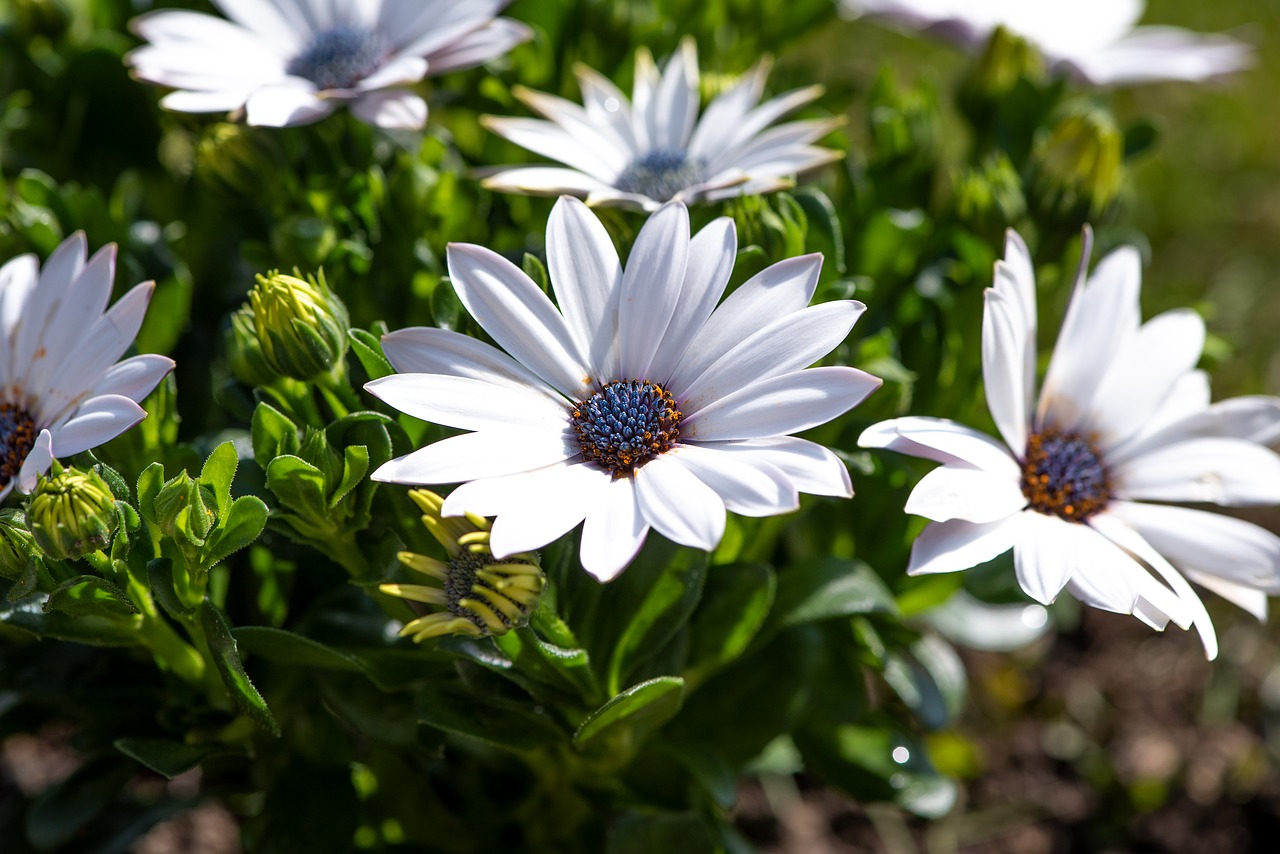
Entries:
{"x":660,"y":174}
{"x":340,"y":57}
{"x":1063,"y":475}
{"x":626,"y":424}
{"x":17,"y":438}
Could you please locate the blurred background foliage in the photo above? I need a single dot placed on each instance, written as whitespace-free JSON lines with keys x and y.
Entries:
{"x":1100,"y":736}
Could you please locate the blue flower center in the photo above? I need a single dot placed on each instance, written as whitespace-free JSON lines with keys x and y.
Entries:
{"x":1063,"y":475}
{"x":626,"y":424}
{"x":660,"y":174}
{"x":17,"y":438}
{"x":339,"y":57}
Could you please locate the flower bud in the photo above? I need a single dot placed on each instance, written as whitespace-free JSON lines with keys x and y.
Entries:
{"x":184,"y":509}
{"x":1076,"y":170}
{"x":244,"y":353}
{"x":301,"y":325}
{"x":1006,"y":60}
{"x":16,"y":543}
{"x":989,"y":198}
{"x":477,"y":594}
{"x":72,"y":513}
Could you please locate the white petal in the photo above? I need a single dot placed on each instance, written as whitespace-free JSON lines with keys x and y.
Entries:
{"x":224,"y":100}
{"x":751,"y":490}
{"x":586,"y":276}
{"x":38,"y":461}
{"x":1103,"y":315}
{"x":592,"y":156}
{"x":974,"y":495}
{"x":1004,"y":367}
{"x":1254,"y":418}
{"x":1209,"y":543}
{"x":401,"y":71}
{"x":778,"y":290}
{"x":810,"y":467}
{"x":675,"y":107}
{"x":469,"y":404}
{"x":519,"y":316}
{"x":59,"y":271}
{"x":286,"y":106}
{"x":427,"y":350}
{"x":955,"y":545}
{"x":723,"y":116}
{"x":651,"y":287}
{"x":1249,"y":598}
{"x":942,"y":441}
{"x":1044,"y":557}
{"x":788,"y":344}
{"x":1145,"y":372}
{"x":614,"y":531}
{"x":711,"y":255}
{"x":391,"y":109}
{"x":485,"y":454}
{"x":556,"y":500}
{"x":263,"y":18}
{"x":544,"y":181}
{"x":683,"y":508}
{"x":782,"y":405}
{"x":1219,"y":471}
{"x":135,"y":377}
{"x":1164,"y":53}
{"x":98,"y":420}
{"x":479,"y":46}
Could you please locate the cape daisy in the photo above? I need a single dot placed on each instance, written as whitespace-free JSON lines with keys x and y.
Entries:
{"x":1097,"y":40}
{"x":1080,"y":489}
{"x":61,"y":388}
{"x":654,"y":148}
{"x":292,"y":62}
{"x":638,"y":402}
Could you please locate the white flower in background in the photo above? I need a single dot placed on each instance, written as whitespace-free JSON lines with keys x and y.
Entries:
{"x":1080,"y":489}
{"x":1097,"y":40}
{"x":292,"y":62}
{"x":61,"y":389}
{"x":638,"y":402}
{"x":653,"y":148}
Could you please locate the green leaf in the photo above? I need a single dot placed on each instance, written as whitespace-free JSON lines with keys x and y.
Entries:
{"x":827,"y":588}
{"x":226,"y":657}
{"x":28,"y":617}
{"x":149,"y":484}
{"x":239,"y":526}
{"x":534,"y":269}
{"x":355,"y":463}
{"x":734,"y":605}
{"x":930,"y":679}
{"x":282,"y":647}
{"x":368,"y":350}
{"x":638,"y":710}
{"x":508,"y":725}
{"x":90,"y":596}
{"x":273,"y":434}
{"x":169,"y":758}
{"x":164,"y":589}
{"x":300,"y":487}
{"x":218,"y":472}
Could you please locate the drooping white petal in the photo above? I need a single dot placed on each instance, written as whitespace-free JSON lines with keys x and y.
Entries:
{"x":1164,"y":53}
{"x":750,"y":490}
{"x":679,"y":505}
{"x":557,"y":499}
{"x":809,"y":466}
{"x":1242,"y":596}
{"x":401,"y":71}
{"x":942,"y":441}
{"x":544,"y":181}
{"x":651,"y":287}
{"x":286,"y":106}
{"x":391,"y":109}
{"x":955,"y":545}
{"x":1045,"y":556}
{"x":782,"y":405}
{"x":974,"y":495}
{"x":614,"y":530}
{"x":519,"y":316}
{"x":98,"y":420}
{"x":586,"y":276}
{"x":493,"y":452}
{"x":468,"y":403}
{"x":135,"y":377}
{"x":1219,"y":471}
{"x":38,"y":461}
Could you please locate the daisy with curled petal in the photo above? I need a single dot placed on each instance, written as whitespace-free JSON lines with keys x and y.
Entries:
{"x":1081,"y":489}
{"x":61,"y":389}
{"x":293,"y":62}
{"x":638,"y":402}
{"x":654,"y":148}
{"x":1096,"y":40}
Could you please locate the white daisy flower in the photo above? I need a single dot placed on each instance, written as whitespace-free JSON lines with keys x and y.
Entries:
{"x":61,"y":388}
{"x":1097,"y":40}
{"x":653,"y":148}
{"x":638,"y":402}
{"x":292,"y":62}
{"x":1081,"y":487}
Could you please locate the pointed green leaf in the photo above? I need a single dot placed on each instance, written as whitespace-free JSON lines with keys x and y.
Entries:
{"x":639,"y":710}
{"x":169,"y":758}
{"x":282,"y":647}
{"x":226,"y":657}
{"x":90,"y":596}
{"x":149,"y":484}
{"x":827,"y":588}
{"x":241,"y":525}
{"x":734,"y":605}
{"x":355,"y":464}
{"x":164,"y":589}
{"x":508,"y":725}
{"x":368,"y":351}
{"x":299,"y":485}
{"x":218,"y":472}
{"x":273,"y":434}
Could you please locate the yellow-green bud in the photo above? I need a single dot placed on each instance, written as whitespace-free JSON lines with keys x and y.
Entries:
{"x":989,"y":198}
{"x":1078,"y":167}
{"x":301,"y":325}
{"x":1006,"y":60}
{"x":244,"y":353}
{"x":185,"y":510}
{"x":16,"y":543}
{"x":72,"y":513}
